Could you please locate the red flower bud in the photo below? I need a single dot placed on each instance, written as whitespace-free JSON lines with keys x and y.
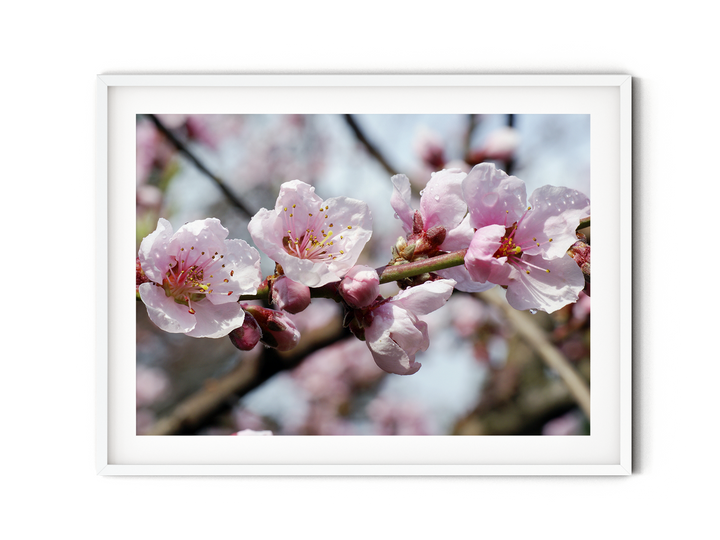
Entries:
{"x":278,"y":331}
{"x":248,"y":335}
{"x":289,"y":295}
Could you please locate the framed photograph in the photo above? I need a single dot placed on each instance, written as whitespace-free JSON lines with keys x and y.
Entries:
{"x":364,"y":275}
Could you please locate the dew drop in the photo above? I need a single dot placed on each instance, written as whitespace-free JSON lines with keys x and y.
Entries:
{"x":437,"y":197}
{"x":490,"y":199}
{"x":533,"y":311}
{"x":396,"y":216}
{"x":421,"y":192}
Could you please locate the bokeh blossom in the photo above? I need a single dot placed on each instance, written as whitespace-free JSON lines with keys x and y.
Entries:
{"x":395,"y":333}
{"x":196,"y":278}
{"x":316,"y":242}
{"x":523,"y":244}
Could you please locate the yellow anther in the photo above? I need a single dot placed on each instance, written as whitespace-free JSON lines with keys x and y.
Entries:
{"x":549,"y":240}
{"x":309,"y":214}
{"x":349,"y":226}
{"x":285,"y":208}
{"x":291,"y":215}
{"x":293,"y":206}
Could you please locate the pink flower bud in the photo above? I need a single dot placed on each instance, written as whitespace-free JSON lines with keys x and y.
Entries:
{"x":278,"y":331}
{"x":247,"y":336}
{"x":290,"y":295}
{"x":360,"y":287}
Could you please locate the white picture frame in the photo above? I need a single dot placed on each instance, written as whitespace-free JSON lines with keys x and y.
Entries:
{"x":607,"y":451}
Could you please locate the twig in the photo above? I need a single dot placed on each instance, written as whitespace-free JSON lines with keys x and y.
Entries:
{"x":360,"y":135}
{"x":550,"y":355}
{"x":199,"y":164}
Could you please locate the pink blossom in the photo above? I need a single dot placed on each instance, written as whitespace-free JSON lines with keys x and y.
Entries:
{"x":524,"y":247}
{"x":441,"y":222}
{"x":196,"y":278}
{"x":395,"y":333}
{"x":360,"y":287}
{"x":316,"y":242}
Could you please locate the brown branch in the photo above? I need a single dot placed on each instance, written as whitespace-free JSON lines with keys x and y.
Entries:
{"x":220,"y":395}
{"x":170,"y":136}
{"x":370,"y":147}
{"x":550,"y":355}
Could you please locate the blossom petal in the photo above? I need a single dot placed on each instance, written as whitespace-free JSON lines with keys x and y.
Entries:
{"x":493,"y":197}
{"x":542,"y":290}
{"x":459,"y":237}
{"x":215,"y":321}
{"x":389,"y":325}
{"x":555,"y":213}
{"x":167,"y":314}
{"x":424,"y":298}
{"x":480,"y":261}
{"x":463,"y":280}
{"x":204,"y":235}
{"x":153,"y":255}
{"x":355,"y":224}
{"x":240,"y":266}
{"x":442,"y":200}
{"x":400,"y":201}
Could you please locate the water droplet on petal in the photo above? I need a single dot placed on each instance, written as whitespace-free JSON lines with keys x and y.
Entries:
{"x":490,"y":199}
{"x":396,"y":216}
{"x":437,"y":197}
{"x":533,"y":311}
{"x":421,"y":192}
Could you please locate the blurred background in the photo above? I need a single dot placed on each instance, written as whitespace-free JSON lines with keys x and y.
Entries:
{"x":480,"y":375}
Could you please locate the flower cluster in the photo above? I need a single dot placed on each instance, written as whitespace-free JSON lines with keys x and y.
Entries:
{"x":191,"y":281}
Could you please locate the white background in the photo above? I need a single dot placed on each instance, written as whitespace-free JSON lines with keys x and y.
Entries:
{"x":665,"y":486}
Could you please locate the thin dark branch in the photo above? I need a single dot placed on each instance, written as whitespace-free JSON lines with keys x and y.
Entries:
{"x":371,"y":148}
{"x":510,"y":163}
{"x":237,"y":203}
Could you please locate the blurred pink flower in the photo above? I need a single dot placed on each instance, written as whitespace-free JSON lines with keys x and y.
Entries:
{"x":360,"y":287}
{"x":151,"y":384}
{"x":253,"y":432}
{"x":392,"y":417}
{"x":316,"y":242}
{"x":501,"y":144}
{"x":568,"y":424}
{"x":197,"y":277}
{"x":396,"y":334}
{"x":430,"y":148}
{"x":524,"y":247}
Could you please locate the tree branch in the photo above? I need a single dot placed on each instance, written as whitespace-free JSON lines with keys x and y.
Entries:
{"x":237,"y":203}
{"x":371,"y":148}
{"x":550,"y":355}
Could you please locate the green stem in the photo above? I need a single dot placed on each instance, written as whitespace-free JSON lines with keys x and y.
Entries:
{"x":407,"y":270}
{"x":387,"y":274}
